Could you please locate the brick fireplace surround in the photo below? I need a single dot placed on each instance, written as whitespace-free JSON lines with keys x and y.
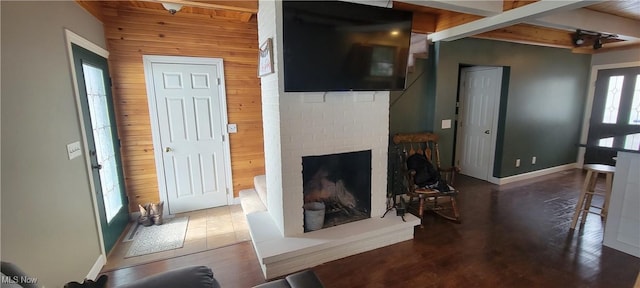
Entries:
{"x":319,"y":123}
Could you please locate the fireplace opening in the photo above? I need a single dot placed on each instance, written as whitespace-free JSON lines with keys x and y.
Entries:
{"x":337,"y":189}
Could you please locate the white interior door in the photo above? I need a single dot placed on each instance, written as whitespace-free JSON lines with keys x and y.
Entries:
{"x":479,"y":94}
{"x":190,"y":121}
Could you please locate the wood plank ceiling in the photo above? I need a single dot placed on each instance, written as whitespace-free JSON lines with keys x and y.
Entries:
{"x":229,"y":10}
{"x":627,"y":9}
{"x":428,"y":20}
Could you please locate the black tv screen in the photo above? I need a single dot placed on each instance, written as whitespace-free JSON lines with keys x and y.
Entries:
{"x":341,"y":46}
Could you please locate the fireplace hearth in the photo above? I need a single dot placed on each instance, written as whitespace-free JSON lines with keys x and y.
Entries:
{"x":339,"y":182}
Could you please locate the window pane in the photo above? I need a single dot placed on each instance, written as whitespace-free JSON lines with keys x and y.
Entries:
{"x":102,"y":136}
{"x":606,"y":142}
{"x":634,"y":116}
{"x":613,"y":100}
{"x":632,"y":142}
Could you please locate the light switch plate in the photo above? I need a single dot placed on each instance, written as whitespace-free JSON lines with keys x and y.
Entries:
{"x":446,"y":124}
{"x":74,"y":150}
{"x":232,"y":128}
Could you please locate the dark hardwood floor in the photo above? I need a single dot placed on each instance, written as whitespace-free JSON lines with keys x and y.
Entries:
{"x":233,"y":266}
{"x":514,"y":235}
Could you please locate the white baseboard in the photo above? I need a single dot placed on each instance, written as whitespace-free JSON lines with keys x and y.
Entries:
{"x":95,"y":270}
{"x":533,"y":174}
{"x":236,"y":201}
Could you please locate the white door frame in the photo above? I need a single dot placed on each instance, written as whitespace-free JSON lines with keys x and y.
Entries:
{"x":588,"y":106}
{"x":148,"y":61}
{"x":494,"y":125}
{"x":73,"y":38}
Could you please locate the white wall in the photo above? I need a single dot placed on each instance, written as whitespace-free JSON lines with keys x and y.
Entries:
{"x":304,"y":124}
{"x":623,"y":220}
{"x":48,"y":225}
{"x":271,"y":112}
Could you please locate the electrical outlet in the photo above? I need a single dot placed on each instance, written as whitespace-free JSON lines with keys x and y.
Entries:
{"x":517,"y":162}
{"x":533,"y":160}
{"x":232,"y":128}
{"x":446,"y":124}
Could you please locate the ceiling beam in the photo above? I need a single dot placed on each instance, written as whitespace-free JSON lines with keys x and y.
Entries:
{"x":482,"y":8}
{"x":529,"y":34}
{"x":625,"y":28}
{"x":508,"y":18}
{"x":582,"y":18}
{"x":208,"y":5}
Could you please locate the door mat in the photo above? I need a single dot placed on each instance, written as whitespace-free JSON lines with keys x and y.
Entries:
{"x":158,"y":238}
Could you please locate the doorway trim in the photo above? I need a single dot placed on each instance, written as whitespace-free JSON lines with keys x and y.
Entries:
{"x":588,"y":106}
{"x":73,"y":38}
{"x":494,"y":124}
{"x":148,"y":61}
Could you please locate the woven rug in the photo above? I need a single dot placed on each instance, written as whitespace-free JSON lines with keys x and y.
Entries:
{"x":158,"y":238}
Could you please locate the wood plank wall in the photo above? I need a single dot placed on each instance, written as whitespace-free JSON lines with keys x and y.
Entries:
{"x":132,"y":32}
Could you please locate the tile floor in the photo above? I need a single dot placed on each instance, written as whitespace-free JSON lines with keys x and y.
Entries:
{"x":207,"y":229}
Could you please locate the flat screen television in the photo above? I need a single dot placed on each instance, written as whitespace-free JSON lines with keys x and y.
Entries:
{"x":342,"y":46}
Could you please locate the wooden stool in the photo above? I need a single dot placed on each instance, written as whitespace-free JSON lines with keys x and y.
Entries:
{"x":589,"y":189}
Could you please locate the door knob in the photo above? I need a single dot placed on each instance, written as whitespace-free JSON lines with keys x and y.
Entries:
{"x":168,"y":149}
{"x":97,"y":166}
{"x":486,"y":132}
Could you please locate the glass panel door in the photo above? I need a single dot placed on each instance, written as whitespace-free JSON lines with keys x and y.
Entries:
{"x":615,"y":111}
{"x":92,"y":73}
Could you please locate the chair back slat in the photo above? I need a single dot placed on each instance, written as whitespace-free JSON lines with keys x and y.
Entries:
{"x":426,"y":144}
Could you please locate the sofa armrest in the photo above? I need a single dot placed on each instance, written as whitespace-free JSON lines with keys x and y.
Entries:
{"x":11,"y":270}
{"x":306,"y":279}
{"x":187,"y":277}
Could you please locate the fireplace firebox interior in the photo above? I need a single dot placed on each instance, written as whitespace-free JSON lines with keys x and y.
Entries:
{"x":339,"y":182}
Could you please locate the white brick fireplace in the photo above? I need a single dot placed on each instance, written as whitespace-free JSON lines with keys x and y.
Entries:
{"x":319,"y":123}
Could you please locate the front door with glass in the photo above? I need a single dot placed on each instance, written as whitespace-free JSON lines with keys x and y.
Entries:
{"x":615,"y":112}
{"x":102,"y":140}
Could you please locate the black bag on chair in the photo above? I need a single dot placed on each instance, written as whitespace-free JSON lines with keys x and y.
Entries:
{"x":426,"y":173}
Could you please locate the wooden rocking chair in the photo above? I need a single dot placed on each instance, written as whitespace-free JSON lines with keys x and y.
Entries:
{"x":442,"y":203}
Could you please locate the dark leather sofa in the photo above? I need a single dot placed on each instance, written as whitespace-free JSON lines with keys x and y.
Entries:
{"x":186,"y":277}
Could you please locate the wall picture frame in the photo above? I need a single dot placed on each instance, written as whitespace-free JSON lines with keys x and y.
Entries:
{"x":265,"y":60}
